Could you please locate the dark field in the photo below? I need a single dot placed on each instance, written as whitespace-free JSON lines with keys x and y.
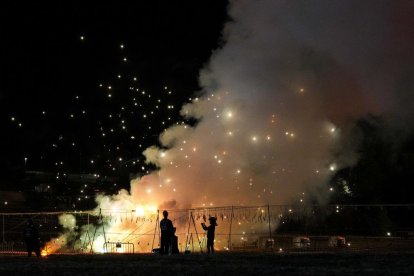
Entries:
{"x":304,"y":263}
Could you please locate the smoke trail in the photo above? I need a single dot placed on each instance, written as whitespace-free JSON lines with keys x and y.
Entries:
{"x":68,"y":222}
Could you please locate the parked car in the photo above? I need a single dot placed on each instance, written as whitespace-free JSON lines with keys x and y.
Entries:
{"x":301,"y":242}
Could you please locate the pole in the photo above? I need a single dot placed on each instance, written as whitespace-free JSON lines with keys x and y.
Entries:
{"x":4,"y":240}
{"x":86,"y":236}
{"x":103,"y":227}
{"x":268,"y":219}
{"x":100,"y":218}
{"x":155,"y":230}
{"x":195,"y":228}
{"x":187,"y":239}
{"x":231,"y":222}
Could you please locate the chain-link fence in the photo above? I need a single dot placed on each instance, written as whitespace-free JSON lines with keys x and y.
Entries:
{"x":268,"y":227}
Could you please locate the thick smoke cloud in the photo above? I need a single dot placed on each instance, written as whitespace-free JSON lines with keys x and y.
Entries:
{"x":276,"y":100}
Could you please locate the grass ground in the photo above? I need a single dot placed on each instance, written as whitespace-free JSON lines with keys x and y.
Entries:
{"x":301,"y":263}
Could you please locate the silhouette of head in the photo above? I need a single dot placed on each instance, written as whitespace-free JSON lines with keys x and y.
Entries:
{"x":165,"y":214}
{"x":213,"y":220}
{"x":29,"y":221}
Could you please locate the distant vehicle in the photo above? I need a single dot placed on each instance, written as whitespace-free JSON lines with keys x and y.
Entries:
{"x":337,"y":242}
{"x":270,"y":244}
{"x":301,"y":242}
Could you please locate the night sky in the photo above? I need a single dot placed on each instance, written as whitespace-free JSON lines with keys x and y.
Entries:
{"x":86,"y":87}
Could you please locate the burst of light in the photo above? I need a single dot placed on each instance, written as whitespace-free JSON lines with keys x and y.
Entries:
{"x":43,"y":253}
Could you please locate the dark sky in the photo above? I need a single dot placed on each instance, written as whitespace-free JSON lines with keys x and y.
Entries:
{"x":50,"y":79}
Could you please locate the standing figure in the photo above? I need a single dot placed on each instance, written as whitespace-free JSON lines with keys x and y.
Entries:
{"x":167,"y":231}
{"x":31,"y":238}
{"x":210,"y":233}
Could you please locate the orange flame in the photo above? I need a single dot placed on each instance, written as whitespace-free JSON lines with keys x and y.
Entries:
{"x":44,"y":252}
{"x":50,"y":247}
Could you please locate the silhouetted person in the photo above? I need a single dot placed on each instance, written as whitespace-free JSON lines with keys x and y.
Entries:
{"x":31,"y":238}
{"x":167,"y":231}
{"x":210,"y":233}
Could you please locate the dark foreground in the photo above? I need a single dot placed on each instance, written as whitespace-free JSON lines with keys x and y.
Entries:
{"x":305,"y":263}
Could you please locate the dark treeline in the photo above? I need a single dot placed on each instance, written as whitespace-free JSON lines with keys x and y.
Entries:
{"x":384,"y":170}
{"x":382,"y":177}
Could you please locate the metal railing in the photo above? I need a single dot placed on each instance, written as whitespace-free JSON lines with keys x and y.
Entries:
{"x":119,"y":247}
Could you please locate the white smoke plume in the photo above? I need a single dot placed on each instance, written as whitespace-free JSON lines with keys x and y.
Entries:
{"x":69,"y":234}
{"x":276,"y":97}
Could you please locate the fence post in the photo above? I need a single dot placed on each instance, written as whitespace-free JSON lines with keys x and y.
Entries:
{"x":155,"y":231}
{"x":231,"y":222}
{"x":4,"y":240}
{"x":268,"y":219}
